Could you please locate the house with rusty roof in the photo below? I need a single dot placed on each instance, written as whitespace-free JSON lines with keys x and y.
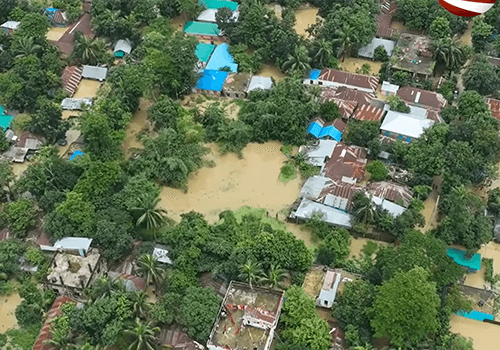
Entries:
{"x":336,"y":78}
{"x":494,"y":106}
{"x":346,"y":164}
{"x":348,"y":100}
{"x":391,"y":191}
{"x":368,"y":113}
{"x":173,"y":337}
{"x":413,"y":54}
{"x":71,"y":77}
{"x":422,"y":98}
{"x":66,"y":42}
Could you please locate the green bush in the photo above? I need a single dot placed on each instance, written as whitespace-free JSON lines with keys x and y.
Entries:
{"x":19,"y":216}
{"x":377,"y":170}
{"x":34,"y":256}
{"x":287,"y":173}
{"x":380,"y":54}
{"x":422,"y":192}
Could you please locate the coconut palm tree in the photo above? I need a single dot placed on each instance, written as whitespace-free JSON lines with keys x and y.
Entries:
{"x":346,"y":40}
{"x":299,"y":60}
{"x":448,"y":52}
{"x":139,"y":303}
{"x":275,"y":276}
{"x":89,"y":50}
{"x":322,"y":52}
{"x":364,"y":209}
{"x":143,"y":335}
{"x":149,"y":267}
{"x":26,"y":46}
{"x":148,"y":212}
{"x":61,"y":340}
{"x":251,"y":272}
{"x":106,"y":286}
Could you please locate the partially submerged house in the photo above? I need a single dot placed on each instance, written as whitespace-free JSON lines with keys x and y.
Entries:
{"x":94,"y":72}
{"x":329,"y":130}
{"x":405,"y":126}
{"x":221,"y":58}
{"x":336,"y":78}
{"x":413,"y":54}
{"x":332,"y":216}
{"x":247,"y":318}
{"x":333,"y":284}
{"x":211,"y":82}
{"x":236,"y":85}
{"x":122,"y":47}
{"x":10,"y":26}
{"x":203,"y":30}
{"x":71,"y":274}
{"x":76,"y":104}
{"x":368,"y":51}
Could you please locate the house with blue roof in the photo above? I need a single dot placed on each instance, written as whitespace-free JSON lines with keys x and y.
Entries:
{"x":221,"y":57}
{"x":472,"y":263}
{"x":211,"y":81}
{"x":217,"y":4}
{"x":321,"y":130}
{"x":202,"y":30}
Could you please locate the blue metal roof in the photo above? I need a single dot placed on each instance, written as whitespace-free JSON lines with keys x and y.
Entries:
{"x":314,"y":74}
{"x":212,"y":80}
{"x":476,"y":315}
{"x":458,"y":256}
{"x":319,"y":132}
{"x":221,"y":57}
{"x":76,"y":154}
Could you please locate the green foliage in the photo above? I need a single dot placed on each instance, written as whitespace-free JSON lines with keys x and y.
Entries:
{"x":199,"y":308}
{"x":166,"y":310}
{"x":397,"y":104}
{"x":494,"y":201}
{"x":287,"y":173}
{"x":440,"y":28}
{"x":329,"y":110}
{"x":399,"y":300}
{"x":482,"y":76}
{"x":378,"y":171}
{"x":19,"y":216}
{"x":422,"y":191}
{"x":98,"y":179}
{"x":489,"y":275}
{"x":380,"y":54}
{"x":470,"y":104}
{"x":24,"y":338}
{"x":481,"y":33}
{"x":334,"y":248}
{"x":360,"y":133}
{"x":164,"y":113}
{"x":34,"y":256}
{"x":4,"y":143}
{"x":101,"y":141}
{"x":135,"y":187}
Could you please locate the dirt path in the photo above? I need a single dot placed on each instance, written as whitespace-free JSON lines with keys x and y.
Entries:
{"x":233,"y":183}
{"x":430,"y":212}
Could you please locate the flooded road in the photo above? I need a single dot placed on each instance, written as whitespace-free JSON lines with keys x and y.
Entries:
{"x":353,"y":65}
{"x":270,"y":70}
{"x":138,"y":123}
{"x":233,"y":183}
{"x":56,"y":33}
{"x":8,"y":306}
{"x":304,"y":18}
{"x":485,"y":336}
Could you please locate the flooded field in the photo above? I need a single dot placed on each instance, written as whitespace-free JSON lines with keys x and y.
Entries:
{"x":233,"y":183}
{"x":8,"y":306}
{"x":304,"y":18}
{"x":357,"y":245}
{"x":87,"y":88}
{"x":490,"y":251}
{"x":138,"y":123}
{"x":485,"y":336}
{"x":353,"y":65}
{"x":55,"y":33}
{"x":270,"y":70}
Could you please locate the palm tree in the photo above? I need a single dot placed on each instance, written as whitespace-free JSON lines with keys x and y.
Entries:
{"x":275,"y":275}
{"x":148,"y":212}
{"x":364,"y":208}
{"x":143,"y":335}
{"x":299,"y":60}
{"x":149,"y":267}
{"x":139,"y":303}
{"x":89,"y":50}
{"x":26,"y":46}
{"x":251,"y":273}
{"x":106,"y":287}
{"x":346,"y":39}
{"x":61,"y":340}
{"x":322,"y":52}
{"x":448,"y":52}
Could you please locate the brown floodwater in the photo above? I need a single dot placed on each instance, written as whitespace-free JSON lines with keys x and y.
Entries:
{"x":270,"y":70}
{"x":430,"y":212}
{"x":138,"y":123}
{"x":485,"y":336}
{"x":490,"y":251}
{"x":353,"y":64}
{"x":87,"y":88}
{"x":8,"y":306}
{"x":19,"y":168}
{"x":466,"y":37}
{"x":357,"y":245}
{"x":300,"y":232}
{"x":55,"y":33}
{"x":304,"y":18}
{"x":233,"y":183}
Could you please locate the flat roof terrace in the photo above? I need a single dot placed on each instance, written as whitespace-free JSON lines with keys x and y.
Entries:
{"x":247,"y":318}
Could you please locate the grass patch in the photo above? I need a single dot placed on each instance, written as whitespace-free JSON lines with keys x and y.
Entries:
{"x":22,"y":339}
{"x":261,"y":214}
{"x":287,"y":173}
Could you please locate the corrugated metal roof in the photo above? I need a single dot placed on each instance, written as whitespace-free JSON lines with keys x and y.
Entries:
{"x":316,"y":154}
{"x":313,"y":186}
{"x":217,"y":4}
{"x":160,"y":252}
{"x":221,"y":57}
{"x":212,"y":80}
{"x":369,"y":50}
{"x":11,"y":25}
{"x":258,"y":82}
{"x":94,"y":72}
{"x":494,"y":107}
{"x":405,"y":124}
{"x":204,"y":51}
{"x":75,"y":103}
{"x":391,"y":191}
{"x":201,"y":28}
{"x":386,"y":86}
{"x":209,"y":15}
{"x":346,"y":161}
{"x":349,"y":79}
{"x":393,"y":209}
{"x":333,"y":216}
{"x":422,"y":98}
{"x":71,"y":79}
{"x":367,"y":112}
{"x":319,"y":131}
{"x":123,"y":45}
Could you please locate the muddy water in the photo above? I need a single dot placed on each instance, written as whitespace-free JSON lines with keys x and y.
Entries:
{"x":87,"y":88}
{"x":178,"y":22}
{"x":138,"y":123}
{"x":233,"y":183}
{"x":19,"y":168}
{"x":466,"y":37}
{"x":270,"y":70}
{"x":357,"y":245}
{"x":490,"y":251}
{"x":304,"y":18}
{"x":430,"y":212}
{"x":55,"y":33}
{"x":485,"y":336}
{"x":8,"y":306}
{"x":352,"y":64}
{"x":300,"y":232}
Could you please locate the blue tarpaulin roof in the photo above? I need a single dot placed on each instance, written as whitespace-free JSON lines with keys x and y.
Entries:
{"x":314,"y":74}
{"x":76,"y":154}
{"x":476,"y":315}
{"x":320,"y":132}
{"x":458,"y":256}
{"x":204,"y":51}
{"x":212,"y":80}
{"x":221,"y":57}
{"x":5,"y":120}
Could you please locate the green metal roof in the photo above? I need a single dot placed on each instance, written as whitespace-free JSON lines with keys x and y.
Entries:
{"x":204,"y":51}
{"x":201,"y":28}
{"x":217,"y":4}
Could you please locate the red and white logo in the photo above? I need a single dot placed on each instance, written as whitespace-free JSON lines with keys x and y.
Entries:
{"x":467,"y":8}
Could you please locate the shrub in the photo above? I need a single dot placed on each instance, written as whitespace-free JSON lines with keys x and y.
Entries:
{"x":397,"y":104}
{"x":380,"y":54}
{"x":422,"y":191}
{"x":377,"y":170}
